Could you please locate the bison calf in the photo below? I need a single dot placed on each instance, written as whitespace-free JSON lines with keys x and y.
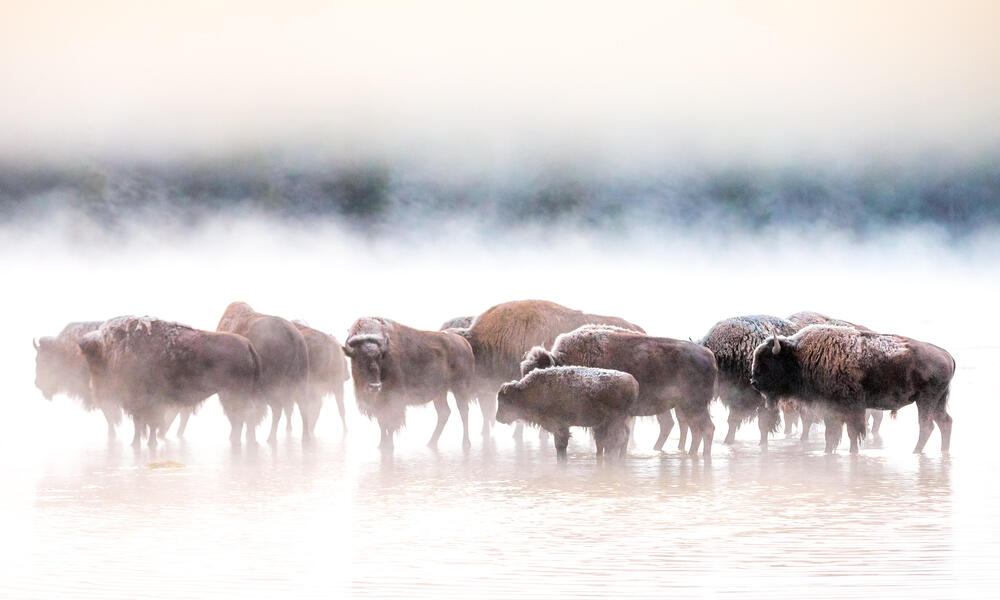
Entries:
{"x":558,"y":398}
{"x":671,"y":373}
{"x":846,"y":371}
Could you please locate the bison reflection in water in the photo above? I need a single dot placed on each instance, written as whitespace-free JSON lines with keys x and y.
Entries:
{"x":327,"y":374}
{"x":671,"y":373}
{"x":149,"y":366}
{"x":61,"y":368}
{"x":284,"y":361}
{"x":501,"y":335}
{"x":558,"y":398}
{"x":395,"y":366}
{"x":845,"y":371}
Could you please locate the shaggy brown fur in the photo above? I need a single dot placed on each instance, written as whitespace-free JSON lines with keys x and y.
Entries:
{"x":846,"y":371}
{"x":327,"y":374}
{"x":457,"y":323}
{"x":395,"y":366}
{"x":733,"y":342}
{"x":148,"y":365}
{"x":671,"y":373}
{"x":60,"y":368}
{"x":501,"y":335}
{"x":283,"y":354}
{"x":792,"y":410}
{"x":558,"y":398}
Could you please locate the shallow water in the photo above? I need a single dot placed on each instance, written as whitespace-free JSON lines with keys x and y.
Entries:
{"x":86,"y":518}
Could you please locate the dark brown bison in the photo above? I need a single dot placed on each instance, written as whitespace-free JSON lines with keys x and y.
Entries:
{"x":457,"y":323}
{"x":558,"y":398}
{"x":733,"y":342}
{"x":845,"y":371}
{"x":284,"y":358}
{"x":327,"y":374}
{"x":149,"y":366}
{"x":61,"y":368}
{"x":671,"y":373}
{"x":501,"y":335}
{"x":791,"y":409}
{"x":395,"y":366}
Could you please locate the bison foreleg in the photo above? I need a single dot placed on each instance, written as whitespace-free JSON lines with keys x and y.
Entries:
{"x":666,"y":424}
{"x":562,"y":442}
{"x":767,"y":421}
{"x":735,"y":418}
{"x":876,"y":416}
{"x":855,"y":428}
{"x":834,"y":430}
{"x":110,"y":417}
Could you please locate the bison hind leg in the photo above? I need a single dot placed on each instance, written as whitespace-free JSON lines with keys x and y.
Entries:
{"x":666,"y":425}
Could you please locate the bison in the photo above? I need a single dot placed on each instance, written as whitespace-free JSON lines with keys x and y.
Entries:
{"x":149,"y":366}
{"x":327,"y":374}
{"x":501,"y":335}
{"x":846,"y":371}
{"x":61,"y":368}
{"x":557,"y":398}
{"x":284,"y":358}
{"x":733,"y":342}
{"x":395,"y":366}
{"x":671,"y":373}
{"x":792,"y":410}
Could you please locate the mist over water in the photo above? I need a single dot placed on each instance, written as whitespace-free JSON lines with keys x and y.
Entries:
{"x":92,"y":518}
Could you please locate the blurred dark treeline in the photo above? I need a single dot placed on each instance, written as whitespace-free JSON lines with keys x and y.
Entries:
{"x":959,"y":197}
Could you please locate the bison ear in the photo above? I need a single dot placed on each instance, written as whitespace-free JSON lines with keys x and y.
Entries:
{"x":776,"y":345}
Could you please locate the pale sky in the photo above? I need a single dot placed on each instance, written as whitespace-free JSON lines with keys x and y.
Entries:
{"x":491,"y":80}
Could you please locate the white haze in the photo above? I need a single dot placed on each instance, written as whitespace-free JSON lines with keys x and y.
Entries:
{"x":88,"y":518}
{"x":474,"y":84}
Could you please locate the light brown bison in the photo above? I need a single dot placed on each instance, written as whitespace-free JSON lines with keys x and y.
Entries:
{"x":284,"y":358}
{"x":671,"y":373}
{"x":327,"y":374}
{"x":845,"y":371}
{"x":557,"y":398}
{"x":733,"y":342}
{"x":149,"y":366}
{"x":501,"y":335}
{"x":395,"y":366}
{"x":61,"y":368}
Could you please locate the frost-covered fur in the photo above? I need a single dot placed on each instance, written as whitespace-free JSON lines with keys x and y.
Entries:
{"x":283,"y":355}
{"x":671,"y":373}
{"x":845,"y":371}
{"x":558,"y":398}
{"x":327,"y":374}
{"x":733,"y":342}
{"x":394,"y":366}
{"x":805,"y":318}
{"x":149,"y":366}
{"x":60,"y":368}
{"x":457,"y":323}
{"x":501,"y":335}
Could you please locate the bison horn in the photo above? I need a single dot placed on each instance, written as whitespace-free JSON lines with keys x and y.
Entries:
{"x":34,"y":343}
{"x":776,"y":348}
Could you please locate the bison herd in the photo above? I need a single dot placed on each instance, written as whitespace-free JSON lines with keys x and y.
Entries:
{"x":525,"y":362}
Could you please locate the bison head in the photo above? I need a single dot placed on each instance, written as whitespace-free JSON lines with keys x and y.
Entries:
{"x":508,"y":407}
{"x":537,"y":358}
{"x":367,"y":354}
{"x":775,"y":370}
{"x":54,"y":363}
